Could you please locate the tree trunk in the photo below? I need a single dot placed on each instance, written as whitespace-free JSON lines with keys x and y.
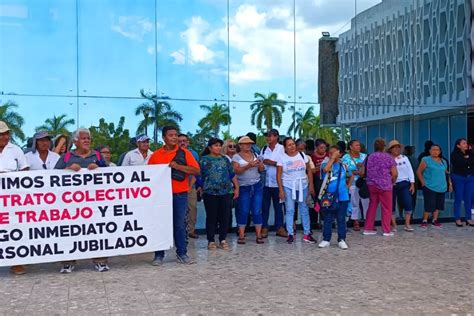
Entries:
{"x":146,"y":124}
{"x":155,"y":133}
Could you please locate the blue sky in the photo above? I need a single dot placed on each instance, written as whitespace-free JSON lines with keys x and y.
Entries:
{"x":46,"y":61}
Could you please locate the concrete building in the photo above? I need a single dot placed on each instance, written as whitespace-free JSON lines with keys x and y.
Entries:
{"x":405,"y":73}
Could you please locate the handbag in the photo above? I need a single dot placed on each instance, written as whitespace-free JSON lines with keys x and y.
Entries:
{"x":330,"y":200}
{"x":180,"y":159}
{"x":361,"y":182}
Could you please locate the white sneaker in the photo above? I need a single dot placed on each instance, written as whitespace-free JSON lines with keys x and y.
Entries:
{"x":369,"y":232}
{"x":324,"y":244}
{"x":67,"y":268}
{"x":342,"y":244}
{"x":388,"y":234}
{"x":102,"y":267}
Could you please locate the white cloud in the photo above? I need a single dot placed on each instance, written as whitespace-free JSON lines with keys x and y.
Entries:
{"x":197,"y":41}
{"x":179,"y":57}
{"x":262,"y":40}
{"x":132,"y":27}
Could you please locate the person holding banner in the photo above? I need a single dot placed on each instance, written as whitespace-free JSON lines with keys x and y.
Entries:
{"x":182,"y":165}
{"x":82,"y":157}
{"x":217,"y":177}
{"x":40,"y":157}
{"x":11,"y":159}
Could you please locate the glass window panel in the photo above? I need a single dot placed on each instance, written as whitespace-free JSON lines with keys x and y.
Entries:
{"x":372,"y":134}
{"x":261,"y":46}
{"x":422,"y":134}
{"x":362,"y":135}
{"x":354,"y":133}
{"x":116,"y":47}
{"x":402,"y":132}
{"x":192,"y":49}
{"x":387,"y":131}
{"x":241,"y":121}
{"x":38,"y":40}
{"x":458,"y":128}
{"x":32,"y":110}
{"x":439,"y":135}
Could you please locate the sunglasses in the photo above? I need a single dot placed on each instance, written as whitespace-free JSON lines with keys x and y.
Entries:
{"x":231,"y":146}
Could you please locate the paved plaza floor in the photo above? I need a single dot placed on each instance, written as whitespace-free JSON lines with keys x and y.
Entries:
{"x":425,"y":272}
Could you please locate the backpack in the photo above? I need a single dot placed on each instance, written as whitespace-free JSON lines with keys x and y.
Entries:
{"x":100,"y":162}
{"x":180,"y":159}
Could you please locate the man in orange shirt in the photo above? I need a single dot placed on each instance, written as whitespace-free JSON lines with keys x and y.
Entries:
{"x":183,"y":165}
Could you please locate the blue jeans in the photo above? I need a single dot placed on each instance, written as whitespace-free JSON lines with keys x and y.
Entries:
{"x":340,"y":216}
{"x":463,"y":190}
{"x":401,"y":192}
{"x":290,"y":210}
{"x":270,"y":195}
{"x":180,"y":207}
{"x":250,"y":199}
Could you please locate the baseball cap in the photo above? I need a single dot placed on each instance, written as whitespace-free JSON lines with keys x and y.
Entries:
{"x":273,"y":132}
{"x":142,"y":138}
{"x":41,"y":134}
{"x":4,"y":127}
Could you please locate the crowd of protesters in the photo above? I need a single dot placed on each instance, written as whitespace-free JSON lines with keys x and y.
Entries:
{"x":310,"y":179}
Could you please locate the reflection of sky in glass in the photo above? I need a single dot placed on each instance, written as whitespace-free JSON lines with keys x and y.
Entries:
{"x":180,"y":48}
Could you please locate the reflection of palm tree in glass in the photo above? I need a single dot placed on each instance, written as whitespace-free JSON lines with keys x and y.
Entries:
{"x":56,"y":125}
{"x":157,"y":113}
{"x":308,"y":125}
{"x":216,"y":115}
{"x":267,"y":110}
{"x":12,"y":119}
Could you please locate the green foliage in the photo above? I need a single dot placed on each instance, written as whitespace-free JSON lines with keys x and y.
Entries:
{"x":198,"y":140}
{"x":117,"y":138}
{"x":57,"y":125}
{"x":267,"y":110}
{"x":217,"y":115}
{"x":307,"y":125}
{"x":157,"y":113}
{"x":261,"y":141}
{"x":13,"y":119}
{"x":226,"y":135}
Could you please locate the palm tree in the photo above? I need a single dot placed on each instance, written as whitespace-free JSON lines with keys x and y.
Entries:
{"x":216,"y":115}
{"x":267,"y":110}
{"x":307,"y":125}
{"x":14,"y":120}
{"x":157,"y":113}
{"x":302,"y":124}
{"x":57,"y":125}
{"x":327,"y":133}
{"x":144,"y":109}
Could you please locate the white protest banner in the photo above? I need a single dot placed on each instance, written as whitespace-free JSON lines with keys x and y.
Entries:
{"x":57,"y":215}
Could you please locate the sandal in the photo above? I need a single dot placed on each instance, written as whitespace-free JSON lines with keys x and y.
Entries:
{"x":224,"y":245}
{"x":260,"y":240}
{"x":211,"y":246}
{"x":241,"y":241}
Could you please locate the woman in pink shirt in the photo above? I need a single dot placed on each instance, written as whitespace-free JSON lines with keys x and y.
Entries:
{"x":381,"y":174}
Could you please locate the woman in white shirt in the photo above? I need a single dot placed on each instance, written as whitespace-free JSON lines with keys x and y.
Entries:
{"x":247,"y":168}
{"x":404,"y":188}
{"x":295,"y":179}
